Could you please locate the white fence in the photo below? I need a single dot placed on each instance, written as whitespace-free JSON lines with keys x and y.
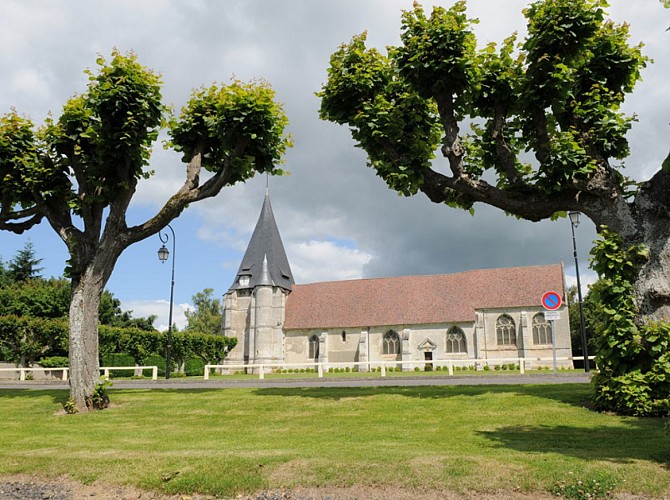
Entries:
{"x":368,"y":366}
{"x":64,"y":376}
{"x":22,"y":371}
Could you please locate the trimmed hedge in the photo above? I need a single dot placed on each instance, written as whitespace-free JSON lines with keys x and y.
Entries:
{"x":24,"y":340}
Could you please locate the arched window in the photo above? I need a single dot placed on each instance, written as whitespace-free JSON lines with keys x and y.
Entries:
{"x":314,"y":347}
{"x":541,"y":330}
{"x":391,"y":343}
{"x":505,"y":330}
{"x":456,"y":341}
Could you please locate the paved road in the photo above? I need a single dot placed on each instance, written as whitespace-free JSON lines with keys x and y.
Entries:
{"x":413,"y":381}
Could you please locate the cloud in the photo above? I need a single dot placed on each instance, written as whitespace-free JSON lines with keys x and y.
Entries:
{"x":336,"y":217}
{"x":586,"y":278}
{"x":160,"y":308}
{"x":313,"y":261}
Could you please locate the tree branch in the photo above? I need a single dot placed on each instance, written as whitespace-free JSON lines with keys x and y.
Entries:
{"x":530,"y":203}
{"x":505,"y":155}
{"x":451,"y":148}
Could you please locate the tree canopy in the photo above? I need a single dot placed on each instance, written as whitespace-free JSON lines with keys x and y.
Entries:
{"x":534,"y":128}
{"x":206,"y":315}
{"x":79,"y":172}
{"x":557,"y":94}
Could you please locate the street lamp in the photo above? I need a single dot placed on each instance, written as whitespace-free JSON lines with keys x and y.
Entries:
{"x":574,"y":222}
{"x":163,"y":255}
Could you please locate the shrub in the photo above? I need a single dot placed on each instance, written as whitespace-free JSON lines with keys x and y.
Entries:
{"x":632,"y":357}
{"x":54,"y":362}
{"x":487,"y":368}
{"x":99,"y":399}
{"x":70,"y":407}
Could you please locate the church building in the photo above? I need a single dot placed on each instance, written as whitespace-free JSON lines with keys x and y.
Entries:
{"x":480,"y":317}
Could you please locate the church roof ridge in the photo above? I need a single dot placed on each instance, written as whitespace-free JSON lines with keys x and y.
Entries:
{"x":432,"y":275}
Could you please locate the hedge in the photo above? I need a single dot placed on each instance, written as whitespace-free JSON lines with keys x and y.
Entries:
{"x":24,"y":340}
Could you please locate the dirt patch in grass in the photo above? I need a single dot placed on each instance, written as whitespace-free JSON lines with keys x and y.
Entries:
{"x":25,"y":487}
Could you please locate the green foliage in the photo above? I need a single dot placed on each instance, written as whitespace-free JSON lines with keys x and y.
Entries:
{"x":557,"y":94}
{"x":23,"y":267}
{"x":99,"y":400}
{"x":633,"y":358}
{"x":140,"y":344}
{"x":81,"y":170}
{"x":18,"y":153}
{"x":36,"y":298}
{"x":437,"y":54}
{"x":239,"y":122}
{"x":23,"y":340}
{"x":104,"y":136}
{"x":70,"y":407}
{"x":392,"y":123}
{"x":24,"y":293}
{"x":589,"y":306}
{"x":54,"y":362}
{"x":584,"y":489}
{"x":207,"y":314}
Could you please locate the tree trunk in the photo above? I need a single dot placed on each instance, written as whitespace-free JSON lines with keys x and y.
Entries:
{"x":653,"y":227}
{"x":653,"y":284}
{"x":84,"y":363}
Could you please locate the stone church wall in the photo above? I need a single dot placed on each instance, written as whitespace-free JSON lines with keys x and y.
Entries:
{"x":430,"y":342}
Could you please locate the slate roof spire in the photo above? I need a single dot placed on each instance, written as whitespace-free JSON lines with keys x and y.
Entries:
{"x":264,"y":262}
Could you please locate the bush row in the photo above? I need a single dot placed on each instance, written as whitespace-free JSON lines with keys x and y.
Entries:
{"x":24,"y":340}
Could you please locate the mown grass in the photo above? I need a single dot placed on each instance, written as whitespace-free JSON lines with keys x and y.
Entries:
{"x":226,"y":441}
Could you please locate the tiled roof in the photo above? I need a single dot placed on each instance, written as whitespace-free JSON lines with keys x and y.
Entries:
{"x":411,"y":300}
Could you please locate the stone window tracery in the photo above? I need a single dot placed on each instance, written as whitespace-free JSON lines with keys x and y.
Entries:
{"x":456,"y":341}
{"x":541,"y":330}
{"x":505,"y":330}
{"x":391,"y":343}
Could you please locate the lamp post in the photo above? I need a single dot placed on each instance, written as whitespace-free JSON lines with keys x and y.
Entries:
{"x":574,"y":222}
{"x":163,"y":255}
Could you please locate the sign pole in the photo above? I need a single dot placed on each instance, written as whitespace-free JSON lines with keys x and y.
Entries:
{"x":552,"y":301}
{"x":553,"y":344}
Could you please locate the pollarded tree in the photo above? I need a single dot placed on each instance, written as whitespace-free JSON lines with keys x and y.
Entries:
{"x":557,"y":95}
{"x":80,"y":172}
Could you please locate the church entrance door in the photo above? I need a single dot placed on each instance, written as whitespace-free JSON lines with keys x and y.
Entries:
{"x":428,"y":356}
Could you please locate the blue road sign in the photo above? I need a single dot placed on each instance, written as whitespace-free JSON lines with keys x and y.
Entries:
{"x":551,"y":301}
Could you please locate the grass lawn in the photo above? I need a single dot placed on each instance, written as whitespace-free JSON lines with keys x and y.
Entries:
{"x":227,"y":441}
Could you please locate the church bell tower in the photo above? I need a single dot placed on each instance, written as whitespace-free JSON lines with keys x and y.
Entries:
{"x":254,"y":306}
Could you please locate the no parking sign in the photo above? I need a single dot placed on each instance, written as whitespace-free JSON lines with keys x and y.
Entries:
{"x":551,"y":301}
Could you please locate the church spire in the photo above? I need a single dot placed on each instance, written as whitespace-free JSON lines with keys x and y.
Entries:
{"x":265,"y":261}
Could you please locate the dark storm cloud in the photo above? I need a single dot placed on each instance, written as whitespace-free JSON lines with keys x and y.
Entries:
{"x":330,"y":196}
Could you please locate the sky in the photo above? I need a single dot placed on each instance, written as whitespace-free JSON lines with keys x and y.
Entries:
{"x":337,"y":219}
